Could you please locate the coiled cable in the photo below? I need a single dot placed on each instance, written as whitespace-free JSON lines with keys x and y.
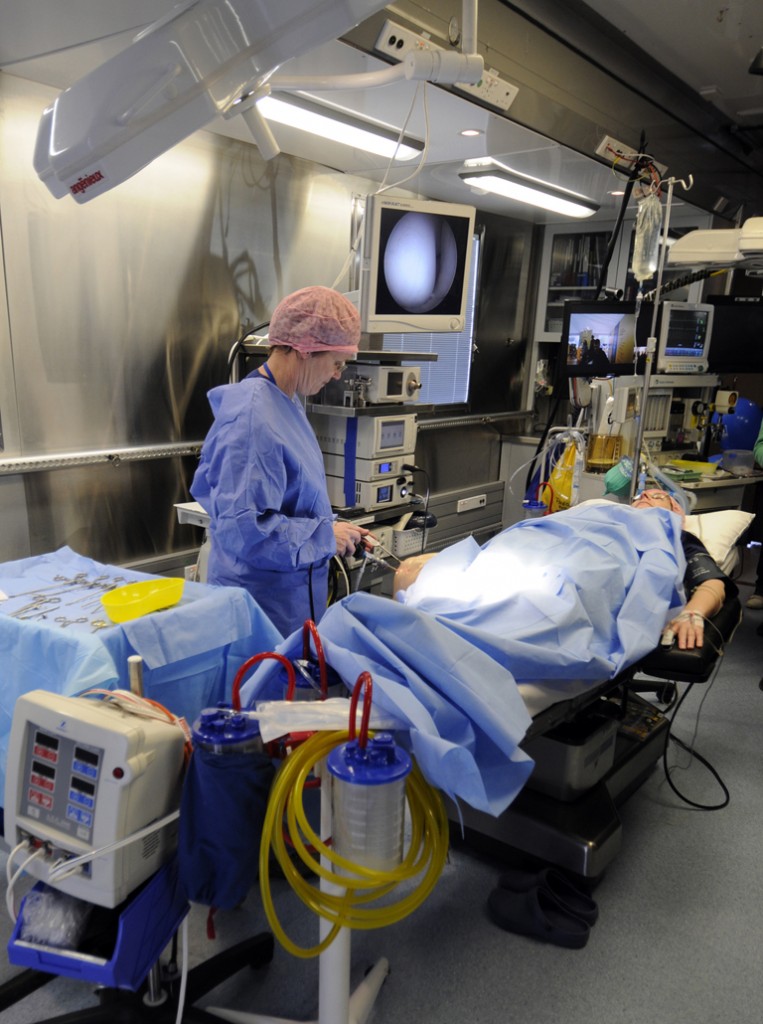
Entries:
{"x":356,"y":886}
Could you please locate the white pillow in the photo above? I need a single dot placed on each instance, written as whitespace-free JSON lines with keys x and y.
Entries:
{"x":719,"y":532}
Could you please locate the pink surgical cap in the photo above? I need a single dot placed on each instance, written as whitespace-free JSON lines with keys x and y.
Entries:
{"x":316,"y":319}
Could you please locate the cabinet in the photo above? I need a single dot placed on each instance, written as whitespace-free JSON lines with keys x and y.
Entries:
{"x":570,"y":268}
{"x":574,"y":254}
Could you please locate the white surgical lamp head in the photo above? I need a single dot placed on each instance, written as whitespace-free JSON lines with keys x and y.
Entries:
{"x":721,"y":247}
{"x":177,"y":76}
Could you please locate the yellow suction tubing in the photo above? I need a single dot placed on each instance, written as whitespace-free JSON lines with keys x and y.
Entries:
{"x":358,"y":885}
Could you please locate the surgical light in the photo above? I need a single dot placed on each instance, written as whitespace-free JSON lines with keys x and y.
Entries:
{"x":503,"y":181}
{"x":339,"y":125}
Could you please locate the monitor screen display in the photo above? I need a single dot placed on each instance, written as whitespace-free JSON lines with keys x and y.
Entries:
{"x":737,"y":342}
{"x":414,"y":273}
{"x":684,"y":337}
{"x":601,"y":339}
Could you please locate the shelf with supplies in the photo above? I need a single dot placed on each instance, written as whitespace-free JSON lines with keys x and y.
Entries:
{"x":572,"y":259}
{"x":571,"y":263}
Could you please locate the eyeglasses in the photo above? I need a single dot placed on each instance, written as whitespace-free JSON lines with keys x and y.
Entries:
{"x":653,"y":496}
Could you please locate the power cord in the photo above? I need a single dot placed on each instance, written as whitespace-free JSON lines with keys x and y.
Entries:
{"x":689,"y":748}
{"x":238,"y":344}
{"x":407,"y":468}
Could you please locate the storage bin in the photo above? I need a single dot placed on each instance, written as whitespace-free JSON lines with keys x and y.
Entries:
{"x":130,"y":938}
{"x":738,"y":461}
{"x":572,"y":757}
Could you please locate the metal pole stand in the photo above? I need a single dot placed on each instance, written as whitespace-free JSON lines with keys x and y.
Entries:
{"x":336,"y":1005}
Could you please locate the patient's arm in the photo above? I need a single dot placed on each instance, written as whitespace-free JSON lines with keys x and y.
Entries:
{"x":688,"y":627}
{"x":408,"y":571}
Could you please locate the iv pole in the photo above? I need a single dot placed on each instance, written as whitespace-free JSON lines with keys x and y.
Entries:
{"x":651,"y":343}
{"x":335,"y":1003}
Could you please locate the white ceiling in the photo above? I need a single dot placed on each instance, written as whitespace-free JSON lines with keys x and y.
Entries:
{"x":56,"y":43}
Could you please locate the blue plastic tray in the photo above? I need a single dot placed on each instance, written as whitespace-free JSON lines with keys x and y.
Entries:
{"x":145,"y":926}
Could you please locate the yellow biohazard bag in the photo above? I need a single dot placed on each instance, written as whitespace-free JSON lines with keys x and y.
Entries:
{"x":557,"y":490}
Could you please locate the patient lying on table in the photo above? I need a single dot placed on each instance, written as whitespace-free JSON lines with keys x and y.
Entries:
{"x":469,"y":587}
{"x":486,"y":636}
{"x":705,"y":584}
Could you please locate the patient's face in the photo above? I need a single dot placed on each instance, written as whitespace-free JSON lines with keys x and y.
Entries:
{"x":653,"y":499}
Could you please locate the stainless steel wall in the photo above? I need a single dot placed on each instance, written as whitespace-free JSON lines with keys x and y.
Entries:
{"x":119,"y":315}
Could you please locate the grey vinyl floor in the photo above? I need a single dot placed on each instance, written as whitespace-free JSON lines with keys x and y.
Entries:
{"x":678,"y":941}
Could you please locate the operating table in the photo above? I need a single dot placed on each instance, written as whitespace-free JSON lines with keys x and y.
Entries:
{"x":592,"y":751}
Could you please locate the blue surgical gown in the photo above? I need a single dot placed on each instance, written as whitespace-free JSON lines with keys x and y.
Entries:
{"x":262,"y":481}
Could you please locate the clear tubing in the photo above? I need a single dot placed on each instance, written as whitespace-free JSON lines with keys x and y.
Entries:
{"x":362,"y":885}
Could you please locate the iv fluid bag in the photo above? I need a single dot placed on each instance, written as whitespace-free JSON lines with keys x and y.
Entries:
{"x":646,"y":245}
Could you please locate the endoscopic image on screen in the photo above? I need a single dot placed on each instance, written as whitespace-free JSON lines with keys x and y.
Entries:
{"x":423,"y":263}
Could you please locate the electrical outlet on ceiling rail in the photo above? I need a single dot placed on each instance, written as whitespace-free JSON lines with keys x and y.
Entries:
{"x":395,"y":41}
{"x":622,"y":156}
{"x":491,"y":89}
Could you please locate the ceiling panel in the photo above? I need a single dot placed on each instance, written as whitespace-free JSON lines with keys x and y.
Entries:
{"x":56,"y":44}
{"x":707,"y":44}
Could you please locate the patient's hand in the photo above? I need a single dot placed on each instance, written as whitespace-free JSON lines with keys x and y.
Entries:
{"x":687,"y":629}
{"x":409,"y":570}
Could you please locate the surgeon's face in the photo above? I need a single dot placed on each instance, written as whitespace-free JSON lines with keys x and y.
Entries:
{"x":318,"y":369}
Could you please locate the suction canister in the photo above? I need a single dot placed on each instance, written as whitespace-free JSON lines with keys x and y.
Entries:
{"x":222,"y":808}
{"x":534,"y":509}
{"x":368,"y":801}
{"x":222,"y":730}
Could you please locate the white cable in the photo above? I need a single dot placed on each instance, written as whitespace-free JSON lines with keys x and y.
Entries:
{"x":23,"y":845}
{"x":15,"y":878}
{"x":363,"y":565}
{"x":323,"y":83}
{"x":545,"y":450}
{"x":425,"y":151}
{"x":355,"y":242}
{"x":133,"y":704}
{"x":340,"y":566}
{"x":69,"y":866}
{"x":183,"y":971}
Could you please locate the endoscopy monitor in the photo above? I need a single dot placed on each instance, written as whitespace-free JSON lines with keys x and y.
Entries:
{"x":684,"y":336}
{"x":415,"y":262}
{"x":737,"y":342}
{"x":601,"y":339}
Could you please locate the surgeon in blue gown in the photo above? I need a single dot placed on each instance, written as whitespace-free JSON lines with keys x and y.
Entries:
{"x":261,"y":476}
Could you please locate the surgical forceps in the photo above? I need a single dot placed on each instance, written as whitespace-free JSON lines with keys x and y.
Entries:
{"x":37,"y":606}
{"x":69,"y":622}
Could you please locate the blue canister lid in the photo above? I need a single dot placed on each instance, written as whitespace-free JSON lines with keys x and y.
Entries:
{"x":222,"y":725}
{"x":381,"y":761}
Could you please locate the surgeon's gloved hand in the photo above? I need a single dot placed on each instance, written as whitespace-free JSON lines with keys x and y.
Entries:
{"x":348,"y":536}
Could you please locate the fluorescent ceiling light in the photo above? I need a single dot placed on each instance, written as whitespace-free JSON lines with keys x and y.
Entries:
{"x":502,"y":181}
{"x":338,"y":125}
